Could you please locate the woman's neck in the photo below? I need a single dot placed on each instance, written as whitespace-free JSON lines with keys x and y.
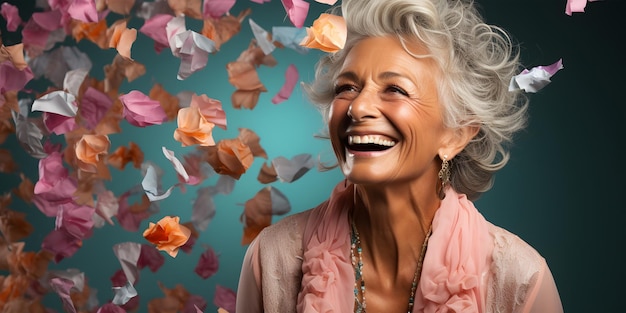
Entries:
{"x":393,"y":221}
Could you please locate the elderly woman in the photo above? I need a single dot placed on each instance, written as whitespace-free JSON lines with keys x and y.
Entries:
{"x":419,"y":115}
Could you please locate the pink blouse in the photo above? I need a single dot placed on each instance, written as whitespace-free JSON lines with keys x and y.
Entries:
{"x":302,"y":264}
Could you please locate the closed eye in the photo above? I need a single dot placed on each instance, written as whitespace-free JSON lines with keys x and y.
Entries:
{"x":339,"y":89}
{"x":396,"y":89}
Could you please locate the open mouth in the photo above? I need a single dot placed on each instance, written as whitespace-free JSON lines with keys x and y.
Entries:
{"x":370,"y":143}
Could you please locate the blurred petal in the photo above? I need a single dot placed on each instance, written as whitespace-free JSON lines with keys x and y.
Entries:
{"x":224,"y":298}
{"x":14,"y":226}
{"x":169,"y":102}
{"x":62,"y":287}
{"x":25,"y":190}
{"x":290,"y":37}
{"x":73,"y":80}
{"x":110,"y":308}
{"x":297,"y":11}
{"x":193,"y":50}
{"x":11,"y":14}
{"x":154,"y":28}
{"x":191,"y":8}
{"x":7,"y":164}
{"x":216,"y":8}
{"x":290,"y":170}
{"x":208,"y":264}
{"x":14,"y":53}
{"x":267,"y":174}
{"x":121,"y":38}
{"x":59,"y":124}
{"x":121,"y":7}
{"x":223,"y":29}
{"x":252,"y":140}
{"x":230,"y":157}
{"x":203,"y":209}
{"x":13,"y":79}
{"x":128,"y":255}
{"x":83,"y":10}
{"x":29,"y":136}
{"x":123,"y":294}
{"x":291,"y":78}
{"x":150,"y":257}
{"x":107,"y":205}
{"x":262,"y":37}
{"x":75,"y":219}
{"x":93,"y":107}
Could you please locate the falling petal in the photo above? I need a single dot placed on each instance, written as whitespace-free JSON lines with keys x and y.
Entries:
{"x":291,"y":79}
{"x":128,"y":255}
{"x":297,"y":11}
{"x":123,"y":294}
{"x":535,"y":79}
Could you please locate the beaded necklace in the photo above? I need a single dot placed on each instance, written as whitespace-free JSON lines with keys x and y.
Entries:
{"x":357,"y":263}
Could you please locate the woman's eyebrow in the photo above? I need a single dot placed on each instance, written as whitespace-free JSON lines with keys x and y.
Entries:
{"x":387,"y":75}
{"x":349,"y":75}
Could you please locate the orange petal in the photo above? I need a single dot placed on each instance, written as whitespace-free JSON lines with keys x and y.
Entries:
{"x":7,"y":164}
{"x":168,"y":234}
{"x":246,"y":99}
{"x":252,"y":140}
{"x":25,"y":190}
{"x":267,"y":174}
{"x":169,"y":102}
{"x":328,"y":33}
{"x":230,"y":157}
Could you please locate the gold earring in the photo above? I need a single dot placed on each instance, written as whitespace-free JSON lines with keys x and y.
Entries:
{"x":444,"y":177}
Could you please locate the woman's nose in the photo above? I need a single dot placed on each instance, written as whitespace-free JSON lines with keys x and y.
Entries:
{"x":363,"y":107}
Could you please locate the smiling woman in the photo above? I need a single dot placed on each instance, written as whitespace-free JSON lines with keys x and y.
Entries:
{"x":419,"y":115}
{"x":560,"y":191}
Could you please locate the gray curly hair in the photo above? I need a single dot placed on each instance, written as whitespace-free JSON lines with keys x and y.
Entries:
{"x":477,"y":60}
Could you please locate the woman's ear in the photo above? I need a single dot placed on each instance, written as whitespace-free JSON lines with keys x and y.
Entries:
{"x":456,"y":140}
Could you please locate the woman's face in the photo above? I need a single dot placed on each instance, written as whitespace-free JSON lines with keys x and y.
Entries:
{"x":386,"y":121}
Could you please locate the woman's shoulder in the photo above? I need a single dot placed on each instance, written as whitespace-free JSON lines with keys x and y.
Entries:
{"x":513,"y":252}
{"x":515,"y":269}
{"x":290,"y":226}
{"x":284,"y":235}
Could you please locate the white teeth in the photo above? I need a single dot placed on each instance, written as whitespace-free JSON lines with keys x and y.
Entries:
{"x":377,"y":140}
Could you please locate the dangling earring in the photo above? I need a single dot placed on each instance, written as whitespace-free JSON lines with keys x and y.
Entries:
{"x":444,"y":177}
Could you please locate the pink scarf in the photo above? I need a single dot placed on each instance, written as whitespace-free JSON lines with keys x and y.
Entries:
{"x":455,"y":266}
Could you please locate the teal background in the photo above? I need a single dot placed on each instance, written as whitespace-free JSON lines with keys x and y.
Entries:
{"x":561,"y":191}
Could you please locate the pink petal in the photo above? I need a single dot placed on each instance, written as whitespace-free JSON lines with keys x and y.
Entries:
{"x":291,"y":78}
{"x":83,"y":10}
{"x":208,"y":264}
{"x":297,"y":11}
{"x":94,"y":106}
{"x":155,"y":29}
{"x":11,"y":15}
{"x":224,"y":298}
{"x":216,"y":8}
{"x":141,"y":111}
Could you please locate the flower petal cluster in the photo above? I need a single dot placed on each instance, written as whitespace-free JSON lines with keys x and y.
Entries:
{"x":167,"y":234}
{"x":328,"y":33}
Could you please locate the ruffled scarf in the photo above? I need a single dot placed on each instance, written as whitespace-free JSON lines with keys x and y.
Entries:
{"x":455,"y":266}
